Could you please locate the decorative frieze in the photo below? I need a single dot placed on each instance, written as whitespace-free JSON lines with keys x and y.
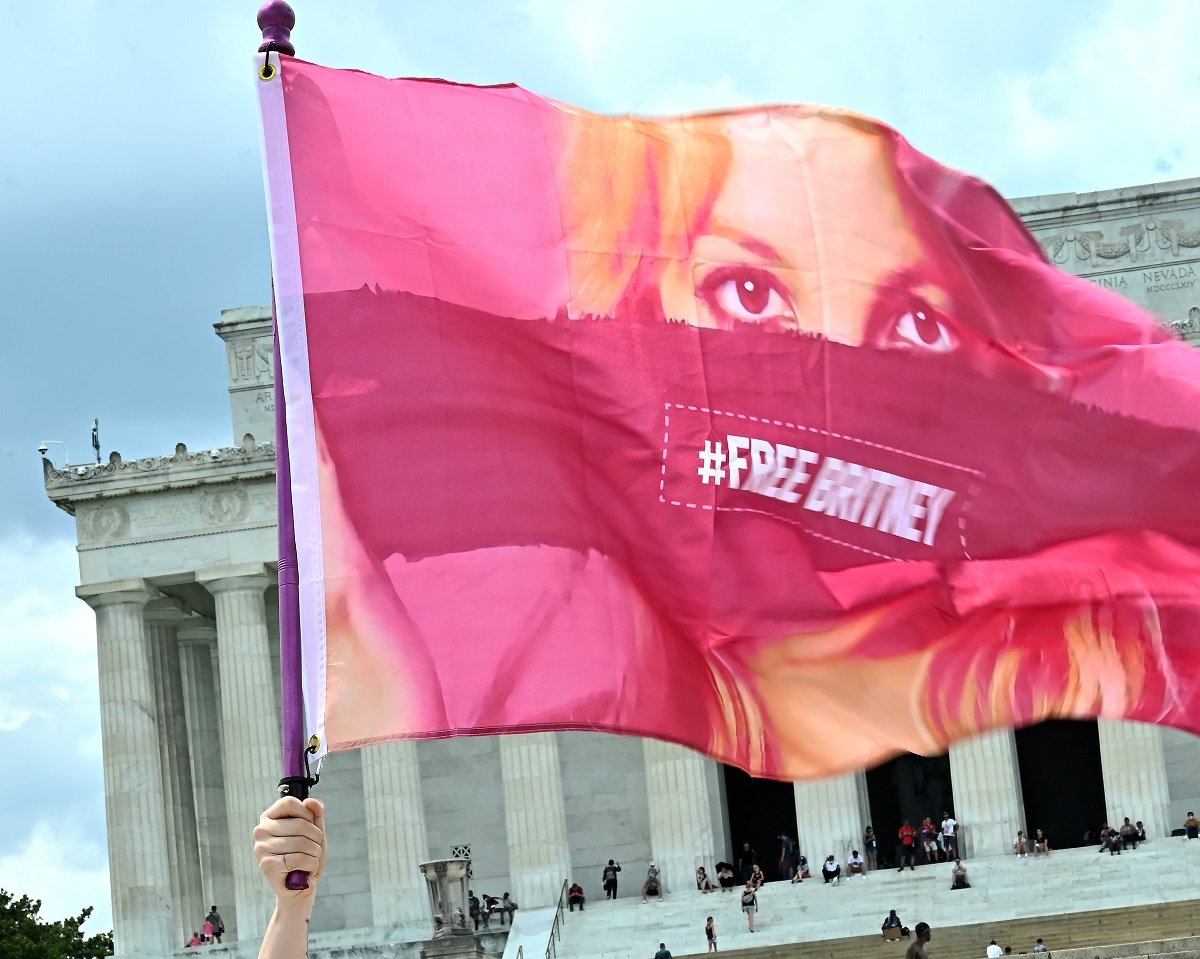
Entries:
{"x":1104,"y":245}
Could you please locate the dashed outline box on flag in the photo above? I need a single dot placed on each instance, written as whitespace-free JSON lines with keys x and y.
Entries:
{"x":842,"y":491}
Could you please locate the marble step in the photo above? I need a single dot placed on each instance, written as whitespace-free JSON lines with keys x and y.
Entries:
{"x":1003,"y":889}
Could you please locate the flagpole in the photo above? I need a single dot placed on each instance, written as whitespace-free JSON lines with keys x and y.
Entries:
{"x":276,"y":20}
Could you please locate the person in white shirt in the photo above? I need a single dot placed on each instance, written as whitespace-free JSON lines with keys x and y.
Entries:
{"x":949,"y":836}
{"x":994,"y":951}
{"x":856,"y":865}
{"x":830,"y":870}
{"x":1040,"y":946}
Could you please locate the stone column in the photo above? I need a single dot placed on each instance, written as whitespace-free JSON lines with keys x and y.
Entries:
{"x":162,"y":617}
{"x":683,"y":834}
{"x":397,"y":840}
{"x":986,"y":782}
{"x":133,"y":786}
{"x":1135,"y":775}
{"x":535,"y":816}
{"x":250,"y":728}
{"x":197,"y":649}
{"x":830,"y":817}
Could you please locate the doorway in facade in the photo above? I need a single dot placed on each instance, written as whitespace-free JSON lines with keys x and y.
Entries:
{"x":758,"y":810}
{"x":907,"y":787}
{"x":1062,"y":780}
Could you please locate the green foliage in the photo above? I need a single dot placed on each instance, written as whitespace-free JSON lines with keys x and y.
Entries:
{"x":23,"y":935}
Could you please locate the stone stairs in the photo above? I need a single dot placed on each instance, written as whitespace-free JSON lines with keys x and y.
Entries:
{"x":1072,"y":898}
{"x":1135,"y":926}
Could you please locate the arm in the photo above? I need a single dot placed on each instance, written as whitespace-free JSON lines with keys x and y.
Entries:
{"x":290,"y":835}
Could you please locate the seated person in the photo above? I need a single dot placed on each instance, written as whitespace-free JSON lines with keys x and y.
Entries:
{"x":1041,"y":843}
{"x":473,"y":906}
{"x":892,"y":927}
{"x":831,"y":871}
{"x":195,"y":940}
{"x":575,"y":896}
{"x":490,"y":907}
{"x":1141,"y":830}
{"x":756,"y":877}
{"x":856,"y":865}
{"x":1110,"y":839}
{"x":703,"y":883}
{"x":653,"y":884}
{"x":1128,"y":834}
{"x":507,"y":907}
{"x":1191,"y":826}
{"x":1020,"y":846}
{"x":725,"y":876}
{"x":958,"y":876}
{"x":802,"y":870}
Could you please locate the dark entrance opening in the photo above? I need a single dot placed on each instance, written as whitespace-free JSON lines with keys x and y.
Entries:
{"x":1062,"y":782}
{"x":908,"y":787}
{"x":759,"y":810}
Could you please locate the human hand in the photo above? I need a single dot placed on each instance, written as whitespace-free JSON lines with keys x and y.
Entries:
{"x":290,"y":836}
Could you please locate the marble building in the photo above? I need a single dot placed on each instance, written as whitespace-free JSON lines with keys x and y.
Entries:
{"x":176,"y":557}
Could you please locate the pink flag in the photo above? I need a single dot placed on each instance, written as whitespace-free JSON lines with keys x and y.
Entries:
{"x":757,"y":431}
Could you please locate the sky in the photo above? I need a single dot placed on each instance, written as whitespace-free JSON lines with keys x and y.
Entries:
{"x":131,"y":213}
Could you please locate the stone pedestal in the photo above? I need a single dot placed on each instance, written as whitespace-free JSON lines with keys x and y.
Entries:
{"x":986,"y":782}
{"x":138,"y":856}
{"x":539,"y":855}
{"x":682,"y":832}
{"x":395,"y":820}
{"x":197,"y":651}
{"x":1135,"y":775}
{"x":446,"y":882}
{"x":453,"y":947}
{"x":830,"y":817}
{"x":162,"y":617}
{"x":250,"y":729}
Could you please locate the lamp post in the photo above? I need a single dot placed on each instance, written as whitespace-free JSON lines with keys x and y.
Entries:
{"x":44,"y":448}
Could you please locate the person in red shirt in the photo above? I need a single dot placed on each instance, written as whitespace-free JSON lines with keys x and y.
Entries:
{"x":908,"y":839}
{"x":575,"y":896}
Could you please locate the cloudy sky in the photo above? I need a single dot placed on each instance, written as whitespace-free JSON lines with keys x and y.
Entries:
{"x":131,"y":212}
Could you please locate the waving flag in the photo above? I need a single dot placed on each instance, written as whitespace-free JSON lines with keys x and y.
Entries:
{"x":756,"y":431}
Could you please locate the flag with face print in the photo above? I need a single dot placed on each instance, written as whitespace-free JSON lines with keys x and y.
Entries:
{"x":756,"y":431}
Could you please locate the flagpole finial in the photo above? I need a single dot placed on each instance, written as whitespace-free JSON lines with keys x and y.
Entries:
{"x":275,"y":20}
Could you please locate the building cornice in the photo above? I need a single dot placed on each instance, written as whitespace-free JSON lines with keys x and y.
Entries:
{"x":180,"y":470}
{"x":1070,"y":207}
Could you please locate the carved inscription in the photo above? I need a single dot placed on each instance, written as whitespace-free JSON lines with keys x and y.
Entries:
{"x":1171,"y":278}
{"x":1166,"y":279}
{"x":251,"y":361}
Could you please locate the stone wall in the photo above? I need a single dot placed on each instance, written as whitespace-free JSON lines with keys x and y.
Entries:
{"x":345,"y":897}
{"x":608,"y":817}
{"x":464,"y":803}
{"x":1182,"y":753}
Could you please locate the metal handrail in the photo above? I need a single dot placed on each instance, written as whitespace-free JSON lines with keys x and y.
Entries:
{"x":556,"y":928}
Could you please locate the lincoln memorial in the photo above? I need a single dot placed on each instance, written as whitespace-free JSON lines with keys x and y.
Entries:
{"x":177,"y":557}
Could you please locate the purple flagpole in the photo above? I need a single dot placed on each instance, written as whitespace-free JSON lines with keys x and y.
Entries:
{"x":276,"y":20}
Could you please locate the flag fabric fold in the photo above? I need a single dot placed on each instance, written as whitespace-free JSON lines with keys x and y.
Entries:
{"x":756,"y":431}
